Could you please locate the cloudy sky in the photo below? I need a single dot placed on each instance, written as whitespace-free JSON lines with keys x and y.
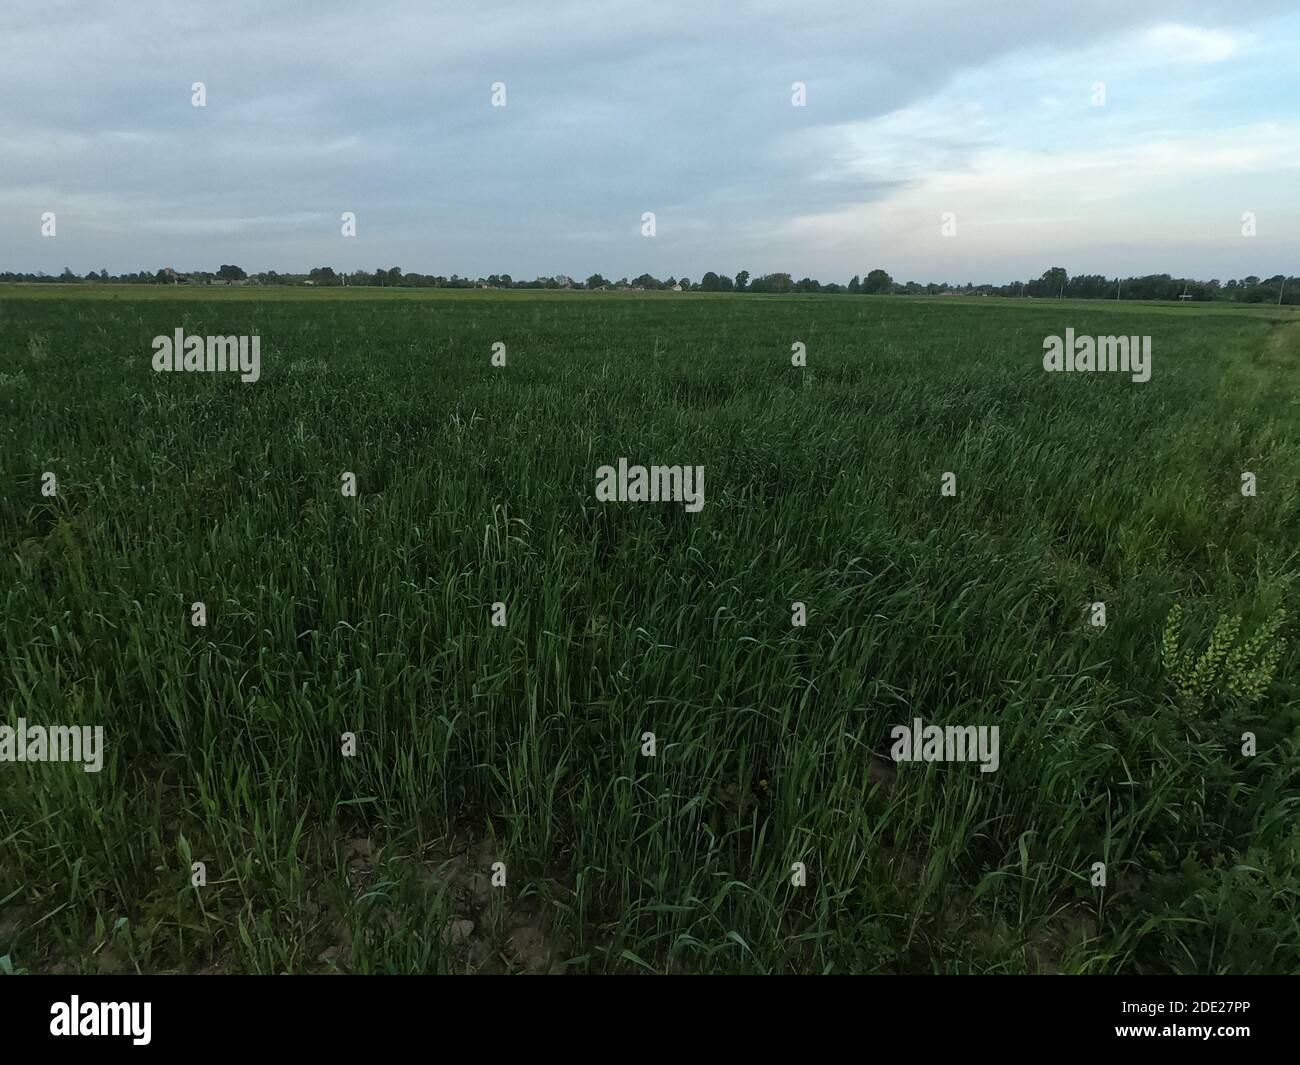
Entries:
{"x":984,"y":109}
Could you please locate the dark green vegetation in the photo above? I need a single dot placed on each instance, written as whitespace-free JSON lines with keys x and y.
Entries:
{"x":522,"y":744}
{"x":1053,"y":283}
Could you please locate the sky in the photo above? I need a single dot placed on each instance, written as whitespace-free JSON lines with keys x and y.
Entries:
{"x":1107,"y":137}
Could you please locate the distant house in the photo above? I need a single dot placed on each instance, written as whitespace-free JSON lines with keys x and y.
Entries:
{"x":677,"y":288}
{"x":173,"y":278}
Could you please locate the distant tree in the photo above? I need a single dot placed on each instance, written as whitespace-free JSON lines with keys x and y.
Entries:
{"x":742,"y":281}
{"x":323,"y":275}
{"x":68,"y":275}
{"x":1054,"y":281}
{"x":710,"y":282}
{"x":231,"y":273}
{"x":160,"y":278}
{"x":1089,"y":287}
{"x":877,"y":282}
{"x":776,"y":283}
{"x":855,"y":284}
{"x":596,"y":281}
{"x":685,"y":283}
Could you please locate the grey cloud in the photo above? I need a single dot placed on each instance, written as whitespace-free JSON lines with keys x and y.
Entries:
{"x":315,"y":109}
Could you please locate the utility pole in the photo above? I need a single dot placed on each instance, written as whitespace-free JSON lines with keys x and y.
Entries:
{"x":1280,"y":290}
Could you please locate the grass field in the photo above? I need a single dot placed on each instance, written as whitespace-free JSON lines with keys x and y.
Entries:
{"x":522,"y":744}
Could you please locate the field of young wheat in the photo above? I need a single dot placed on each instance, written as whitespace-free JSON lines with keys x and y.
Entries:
{"x":471,"y":717}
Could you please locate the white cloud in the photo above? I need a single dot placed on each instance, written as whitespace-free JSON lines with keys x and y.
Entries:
{"x":1190,"y":44}
{"x":1161,"y":195}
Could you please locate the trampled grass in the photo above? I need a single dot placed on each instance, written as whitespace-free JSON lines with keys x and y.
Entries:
{"x":522,"y":744}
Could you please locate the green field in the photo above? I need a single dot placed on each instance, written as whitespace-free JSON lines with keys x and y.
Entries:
{"x":522,"y":744}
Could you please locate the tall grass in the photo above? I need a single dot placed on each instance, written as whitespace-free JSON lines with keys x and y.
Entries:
{"x":522,"y":744}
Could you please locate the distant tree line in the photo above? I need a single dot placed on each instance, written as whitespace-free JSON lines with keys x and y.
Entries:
{"x":1055,"y":283}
